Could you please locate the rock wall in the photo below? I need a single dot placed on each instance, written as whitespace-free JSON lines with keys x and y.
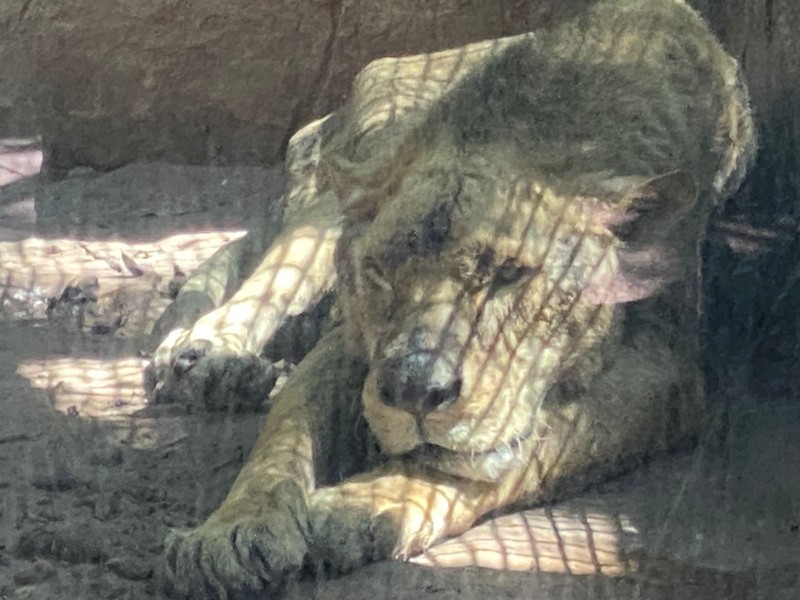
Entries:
{"x":211,"y":81}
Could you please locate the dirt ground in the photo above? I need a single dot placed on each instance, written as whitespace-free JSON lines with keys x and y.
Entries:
{"x":91,"y":476}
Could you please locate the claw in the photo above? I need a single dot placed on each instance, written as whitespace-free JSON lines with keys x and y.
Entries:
{"x":187,"y":358}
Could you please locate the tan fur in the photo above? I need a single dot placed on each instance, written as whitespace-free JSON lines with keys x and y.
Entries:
{"x":525,"y":214}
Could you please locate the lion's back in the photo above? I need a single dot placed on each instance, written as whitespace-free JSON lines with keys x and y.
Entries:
{"x":630,"y":87}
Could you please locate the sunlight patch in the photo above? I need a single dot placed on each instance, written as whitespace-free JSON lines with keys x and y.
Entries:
{"x":89,"y":387}
{"x":19,"y":158}
{"x":103,"y":389}
{"x":545,"y":540}
{"x":36,"y":269}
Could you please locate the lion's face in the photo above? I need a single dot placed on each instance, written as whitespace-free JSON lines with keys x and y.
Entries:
{"x":471,"y":297}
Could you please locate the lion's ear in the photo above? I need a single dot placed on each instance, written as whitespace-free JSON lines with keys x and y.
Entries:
{"x":651,"y":209}
{"x":647,"y":221}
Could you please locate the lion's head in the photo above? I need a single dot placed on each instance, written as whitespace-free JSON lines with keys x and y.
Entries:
{"x":473,"y":291}
{"x":496,"y":229}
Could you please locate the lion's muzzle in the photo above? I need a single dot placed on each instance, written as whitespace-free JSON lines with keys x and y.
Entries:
{"x":418,"y":379}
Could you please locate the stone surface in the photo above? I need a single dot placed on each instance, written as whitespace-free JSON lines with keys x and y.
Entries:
{"x":212,"y":81}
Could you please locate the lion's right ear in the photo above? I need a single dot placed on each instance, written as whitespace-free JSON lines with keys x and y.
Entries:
{"x":646,"y":220}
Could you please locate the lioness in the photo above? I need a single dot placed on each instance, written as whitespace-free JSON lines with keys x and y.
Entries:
{"x":512,"y":232}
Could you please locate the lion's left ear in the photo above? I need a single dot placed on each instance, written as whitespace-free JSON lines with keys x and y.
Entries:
{"x":646,"y":220}
{"x":650,"y":209}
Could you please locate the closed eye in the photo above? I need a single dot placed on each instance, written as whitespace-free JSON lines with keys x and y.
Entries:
{"x":510,"y":273}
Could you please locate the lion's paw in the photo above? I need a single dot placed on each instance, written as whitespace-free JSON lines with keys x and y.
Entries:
{"x":207,"y":373}
{"x":386,"y":517}
{"x":344,"y":538}
{"x":251,"y":556}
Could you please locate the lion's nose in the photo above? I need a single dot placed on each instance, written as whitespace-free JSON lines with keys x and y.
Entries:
{"x":417,"y":382}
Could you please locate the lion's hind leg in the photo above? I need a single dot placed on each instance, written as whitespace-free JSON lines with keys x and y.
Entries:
{"x":213,"y":282}
{"x":214,"y":361}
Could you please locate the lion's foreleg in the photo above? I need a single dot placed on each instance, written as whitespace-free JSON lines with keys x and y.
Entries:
{"x":391,"y":514}
{"x":260,"y":532}
{"x":312,"y":430}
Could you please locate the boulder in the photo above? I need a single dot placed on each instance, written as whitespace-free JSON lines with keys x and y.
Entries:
{"x":211,"y":81}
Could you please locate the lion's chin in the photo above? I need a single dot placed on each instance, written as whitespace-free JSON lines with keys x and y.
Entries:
{"x":490,"y":465}
{"x":402,"y":438}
